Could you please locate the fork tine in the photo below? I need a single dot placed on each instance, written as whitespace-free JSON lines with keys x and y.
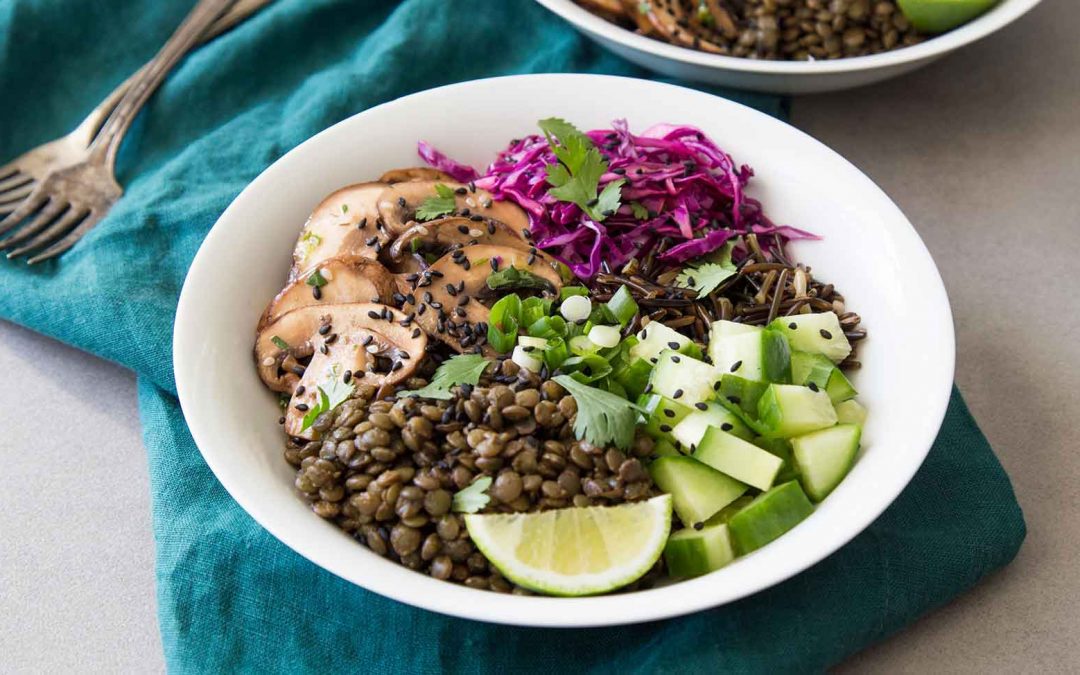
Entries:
{"x":15,"y":181}
{"x":58,"y":228}
{"x":69,"y":240}
{"x":9,"y":201}
{"x":43,"y":218}
{"x":28,"y":207}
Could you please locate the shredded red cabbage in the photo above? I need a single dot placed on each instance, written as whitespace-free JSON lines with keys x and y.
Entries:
{"x":688,"y":195}
{"x":462,"y":173}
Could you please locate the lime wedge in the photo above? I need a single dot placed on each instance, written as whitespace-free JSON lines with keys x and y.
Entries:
{"x":938,"y":16}
{"x":575,"y":551}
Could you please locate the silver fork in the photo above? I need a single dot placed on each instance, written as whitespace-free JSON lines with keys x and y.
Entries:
{"x":70,"y":183}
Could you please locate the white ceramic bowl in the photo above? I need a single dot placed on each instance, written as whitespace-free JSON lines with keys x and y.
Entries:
{"x":781,"y":77}
{"x":869,"y":251}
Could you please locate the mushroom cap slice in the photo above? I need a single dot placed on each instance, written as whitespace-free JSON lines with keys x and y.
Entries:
{"x":452,"y":316}
{"x":414,"y":173}
{"x":454,"y":230}
{"x":348,"y":279}
{"x":334,"y":228}
{"x":362,"y":326}
{"x":398,"y":203}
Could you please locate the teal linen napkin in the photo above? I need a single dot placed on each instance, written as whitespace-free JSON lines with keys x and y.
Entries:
{"x":232,"y":598}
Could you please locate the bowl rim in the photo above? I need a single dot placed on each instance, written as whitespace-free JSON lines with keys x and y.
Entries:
{"x":679,"y":599}
{"x":993,"y":20}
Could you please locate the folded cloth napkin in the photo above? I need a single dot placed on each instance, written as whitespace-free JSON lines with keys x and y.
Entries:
{"x":231,"y":597}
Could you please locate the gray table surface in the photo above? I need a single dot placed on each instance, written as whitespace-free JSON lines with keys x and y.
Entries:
{"x":982,"y":151}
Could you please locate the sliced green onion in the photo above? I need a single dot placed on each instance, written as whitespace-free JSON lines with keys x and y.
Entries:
{"x":526,"y":359}
{"x":508,"y":307}
{"x":634,"y":377}
{"x":604,"y":336}
{"x":581,"y":344}
{"x":586,"y":368}
{"x":534,"y":309}
{"x":503,"y":339}
{"x":548,"y":327}
{"x":535,"y":342}
{"x":622,"y":306}
{"x":570,"y":291}
{"x":556,"y":352}
{"x":279,"y":343}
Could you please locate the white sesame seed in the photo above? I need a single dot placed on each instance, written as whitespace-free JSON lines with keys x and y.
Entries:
{"x":327,"y":273}
{"x":470,"y":203}
{"x":475,"y":233}
{"x":268,"y":361}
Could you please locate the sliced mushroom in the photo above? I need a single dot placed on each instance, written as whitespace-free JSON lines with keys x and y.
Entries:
{"x":612,"y":10}
{"x":676,"y":28}
{"x":413,"y":174}
{"x":452,"y":296}
{"x":378,"y":330}
{"x":344,"y":223}
{"x":347,"y":279}
{"x":457,"y":231}
{"x":398,"y":204}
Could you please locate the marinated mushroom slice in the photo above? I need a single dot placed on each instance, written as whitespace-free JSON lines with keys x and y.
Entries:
{"x":394,"y":346}
{"x":669,"y":20}
{"x":612,"y":10}
{"x":435,"y":237}
{"x":334,"y":281}
{"x":413,"y":174}
{"x":398,"y":204}
{"x":344,"y":223}
{"x":451,"y":299}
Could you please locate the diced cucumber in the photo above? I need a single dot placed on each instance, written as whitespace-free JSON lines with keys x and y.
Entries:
{"x":739,"y":459}
{"x":692,"y":427}
{"x":665,"y":448}
{"x":682,"y":378}
{"x":691,"y":553}
{"x":662,"y":414}
{"x":818,"y":369}
{"x":634,"y":376}
{"x":698,"y":491}
{"x":759,"y":355}
{"x":725,"y":514}
{"x":787,"y":410}
{"x":770,"y":515}
{"x":742,"y":392}
{"x":722,"y":329}
{"x":850,"y":412}
{"x":782,"y":449}
{"x":815,"y":333}
{"x":824,"y":457}
{"x":656,"y":337}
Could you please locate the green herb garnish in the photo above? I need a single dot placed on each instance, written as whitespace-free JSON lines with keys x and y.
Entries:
{"x":705,"y":277}
{"x":458,"y":370}
{"x":504,"y":319}
{"x":512,"y":278}
{"x":576,"y":178}
{"x":602,"y":417}
{"x":640,"y":212}
{"x":316,"y":279}
{"x":441,"y":205}
{"x":472,"y":498}
{"x":331,"y":395}
{"x":344,"y":208}
{"x":279,"y":343}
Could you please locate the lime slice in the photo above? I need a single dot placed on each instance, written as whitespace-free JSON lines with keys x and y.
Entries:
{"x":575,"y":551}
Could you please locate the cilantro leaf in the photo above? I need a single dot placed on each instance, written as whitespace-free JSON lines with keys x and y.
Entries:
{"x":510,"y":278}
{"x":441,"y":205}
{"x":344,"y":208}
{"x":640,"y":212}
{"x":602,"y":417}
{"x":316,"y":279}
{"x":576,"y":178}
{"x":460,"y":369}
{"x":472,"y":498}
{"x":704,"y":278}
{"x":334,"y":394}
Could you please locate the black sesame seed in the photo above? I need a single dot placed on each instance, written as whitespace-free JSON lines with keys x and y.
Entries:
{"x":347,"y":377}
{"x":420,"y":310}
{"x":464,"y":229}
{"x":735,"y":366}
{"x":825,"y":334}
{"x":460,"y":191}
{"x":435,"y":305}
{"x":673,"y":344}
{"x":411,"y":299}
{"x":677,"y":394}
{"x":472,"y":187}
{"x":398,"y":298}
{"x":300,"y":390}
{"x":675,"y":359}
{"x":401,"y":202}
{"x":734,"y":399}
{"x":331,"y":339}
{"x":726,"y":426}
{"x":665,"y":428}
{"x":281,"y":420}
{"x":648,"y":389}
{"x":412,"y":277}
{"x":368,"y":339}
{"x":813,"y":387}
{"x":618,"y":172}
{"x":466,"y":264}
{"x":404,"y":355}
{"x":494,"y":262}
{"x":398,"y":365}
{"x":416,"y":333}
{"x":463,"y":300}
{"x":699,"y":525}
{"x":302,"y":407}
{"x":371,"y":241}
{"x":669,"y":412}
{"x":451,"y":289}
{"x":324,"y":349}
{"x":465,"y":212}
{"x":362,"y":224}
{"x":324,"y":329}
{"x":701,"y":405}
{"x":476,"y":219}
{"x":793,"y":325}
{"x":716,"y":385}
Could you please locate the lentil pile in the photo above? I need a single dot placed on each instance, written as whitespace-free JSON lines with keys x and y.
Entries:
{"x":796,"y":30}
{"x":385,"y":470}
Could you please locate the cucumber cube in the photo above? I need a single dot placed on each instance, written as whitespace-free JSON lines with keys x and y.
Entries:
{"x":689,"y":431}
{"x":634,"y":376}
{"x":815,"y":333}
{"x":782,"y":449}
{"x":665,"y":448}
{"x":662,"y":414}
{"x":698,"y":491}
{"x":759,"y":355}
{"x":770,"y":515}
{"x":818,"y":369}
{"x":682,"y":378}
{"x":723,"y":329}
{"x":824,"y":457}
{"x":850,"y":412}
{"x":691,"y":553}
{"x":742,"y":393}
{"x":656,"y":337}
{"x":739,"y":459}
{"x":787,"y":410}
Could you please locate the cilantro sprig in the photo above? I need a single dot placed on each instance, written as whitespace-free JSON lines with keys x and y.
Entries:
{"x":576,"y":177}
{"x":458,"y":370}
{"x":442,"y":204}
{"x":332,"y":394}
{"x":472,"y":498}
{"x":602,"y":417}
{"x":706,"y":276}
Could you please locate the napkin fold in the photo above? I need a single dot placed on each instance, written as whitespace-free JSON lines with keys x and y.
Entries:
{"x":230,"y":596}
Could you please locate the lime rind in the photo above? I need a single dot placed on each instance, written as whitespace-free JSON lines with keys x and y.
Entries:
{"x":502,"y":540}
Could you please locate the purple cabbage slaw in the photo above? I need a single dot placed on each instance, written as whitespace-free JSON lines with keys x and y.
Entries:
{"x":692,"y":191}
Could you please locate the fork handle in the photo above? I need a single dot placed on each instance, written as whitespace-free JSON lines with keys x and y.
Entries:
{"x":110,"y":137}
{"x":93,"y":122}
